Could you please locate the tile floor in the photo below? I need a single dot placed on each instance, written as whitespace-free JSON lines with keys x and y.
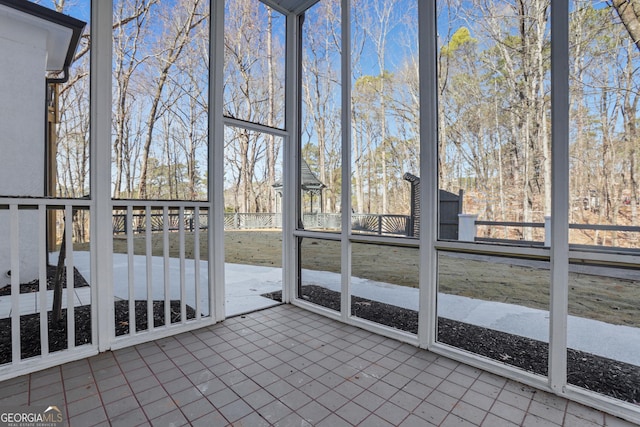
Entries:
{"x":285,"y":366}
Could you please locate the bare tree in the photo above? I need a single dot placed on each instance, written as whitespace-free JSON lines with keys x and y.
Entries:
{"x":180,"y":24}
{"x":253,"y":91}
{"x":629,"y":13}
{"x":320,"y":85}
{"x":506,"y":138}
{"x":128,"y":40}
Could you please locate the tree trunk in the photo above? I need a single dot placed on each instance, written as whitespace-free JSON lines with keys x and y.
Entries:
{"x":271,"y":149}
{"x":629,"y":13}
{"x":174,"y":51}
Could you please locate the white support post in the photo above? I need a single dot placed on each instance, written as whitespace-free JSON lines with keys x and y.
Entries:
{"x":467,"y":227}
{"x":547,"y":231}
{"x":216,"y":163}
{"x":102,"y":206}
{"x":559,"y":195}
{"x":290,"y":198}
{"x":345,"y":128}
{"x":428,"y":73}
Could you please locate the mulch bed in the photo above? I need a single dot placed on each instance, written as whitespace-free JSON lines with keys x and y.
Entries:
{"x":30,"y":343}
{"x":140,"y":309}
{"x":34,"y":286}
{"x":599,"y":374}
{"x":30,"y":327}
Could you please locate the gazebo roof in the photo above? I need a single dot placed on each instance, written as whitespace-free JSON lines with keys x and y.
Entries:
{"x":411,"y":178}
{"x":310,"y":181}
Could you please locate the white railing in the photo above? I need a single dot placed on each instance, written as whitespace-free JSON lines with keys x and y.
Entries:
{"x":26,"y":266}
{"x":361,"y":223}
{"x":41,"y":237}
{"x":469,"y":224}
{"x":155,"y":280}
{"x":139,"y":224}
{"x":252,"y":220}
{"x":381,"y":224}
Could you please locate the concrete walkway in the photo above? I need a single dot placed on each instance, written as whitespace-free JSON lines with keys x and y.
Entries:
{"x":245,"y":284}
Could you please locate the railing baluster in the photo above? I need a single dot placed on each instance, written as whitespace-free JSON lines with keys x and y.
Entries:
{"x":42,"y":280}
{"x":14,"y":237}
{"x":130,"y":270}
{"x":183,"y":290}
{"x":196,"y":258}
{"x":165,"y":247}
{"x":71,"y":329}
{"x":149,"y":257}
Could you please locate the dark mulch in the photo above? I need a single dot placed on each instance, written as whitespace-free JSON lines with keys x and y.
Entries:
{"x":30,"y":342}
{"x":609,"y":377}
{"x":34,"y":286}
{"x":30,"y":333}
{"x":140,"y":309}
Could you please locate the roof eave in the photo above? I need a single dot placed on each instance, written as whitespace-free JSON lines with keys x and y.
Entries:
{"x":75,"y":25}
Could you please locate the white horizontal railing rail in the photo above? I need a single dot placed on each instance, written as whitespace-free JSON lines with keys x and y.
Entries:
{"x":469,"y":224}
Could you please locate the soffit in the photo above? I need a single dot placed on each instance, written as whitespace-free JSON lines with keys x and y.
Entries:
{"x":294,"y":6}
{"x":63,"y":32}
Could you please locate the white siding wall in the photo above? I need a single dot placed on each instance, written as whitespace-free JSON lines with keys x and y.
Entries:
{"x":23,"y":56}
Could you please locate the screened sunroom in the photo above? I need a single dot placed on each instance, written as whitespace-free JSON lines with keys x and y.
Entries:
{"x":161,"y":191}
